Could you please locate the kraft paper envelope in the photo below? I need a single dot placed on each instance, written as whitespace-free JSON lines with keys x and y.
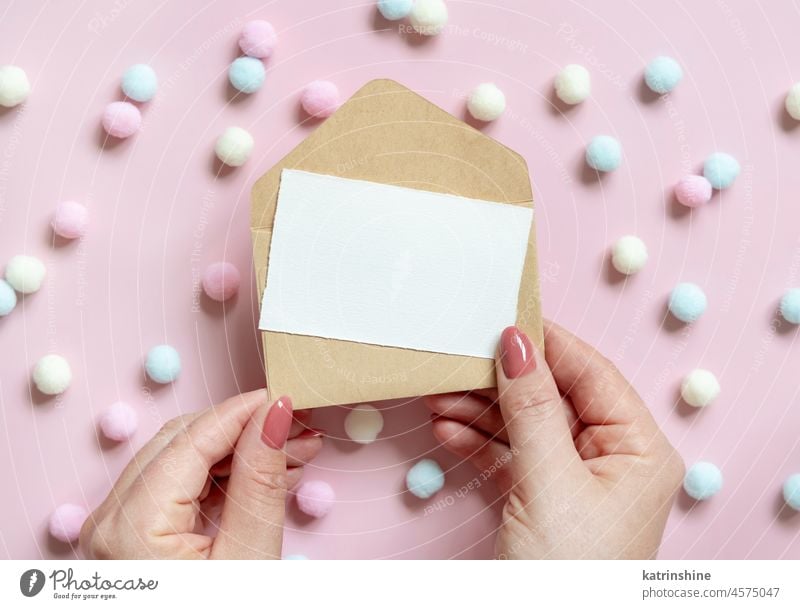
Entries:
{"x":387,"y":133}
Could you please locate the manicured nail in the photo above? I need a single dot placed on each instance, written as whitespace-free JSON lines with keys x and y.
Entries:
{"x":516,"y":353}
{"x":311,"y":432}
{"x":277,"y":423}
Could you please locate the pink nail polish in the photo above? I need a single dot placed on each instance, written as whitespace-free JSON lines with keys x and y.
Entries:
{"x":516,"y":353}
{"x":277,"y":424}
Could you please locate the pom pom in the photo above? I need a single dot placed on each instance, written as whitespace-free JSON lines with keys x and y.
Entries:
{"x":604,"y":153}
{"x":295,"y":557}
{"x":234,"y":146}
{"x":395,"y":9}
{"x":163,"y":364}
{"x":52,"y":375}
{"x":246,"y":74}
{"x":693,"y":191}
{"x":363,"y":423}
{"x":486,"y":102}
{"x":791,"y":491}
{"x":70,"y":220}
{"x":8,"y":298}
{"x":702,"y":481}
{"x":790,"y":306}
{"x":629,"y":255}
{"x":699,"y":388}
{"x":14,"y":86}
{"x":121,"y":119}
{"x":663,"y":74}
{"x":687,"y":302}
{"x":721,"y":170}
{"x":793,"y":102}
{"x":66,"y":522}
{"x":139,"y":82}
{"x":425,"y":478}
{"x":315,"y":498}
{"x":428,"y":17}
{"x":573,"y":84}
{"x":320,"y":98}
{"x":119,"y":422}
{"x":221,"y":281}
{"x":25,"y":273}
{"x":258,"y":39}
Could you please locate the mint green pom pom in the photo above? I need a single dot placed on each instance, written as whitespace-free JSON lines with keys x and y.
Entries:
{"x":425,"y":478}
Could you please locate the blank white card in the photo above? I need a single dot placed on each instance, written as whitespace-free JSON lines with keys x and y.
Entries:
{"x":387,"y":265}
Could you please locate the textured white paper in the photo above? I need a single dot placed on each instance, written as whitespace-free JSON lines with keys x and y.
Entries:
{"x":374,"y":263}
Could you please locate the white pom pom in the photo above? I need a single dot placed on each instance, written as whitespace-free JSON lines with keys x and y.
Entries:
{"x":486,"y":102}
{"x":25,"y":273}
{"x":428,"y":17}
{"x":14,"y":86}
{"x":52,"y":375}
{"x":363,"y":423}
{"x":699,"y":388}
{"x":793,"y":102}
{"x":629,"y":255}
{"x":573,"y":84}
{"x":234,"y":146}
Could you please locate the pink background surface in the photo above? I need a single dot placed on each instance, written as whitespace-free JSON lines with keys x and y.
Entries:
{"x":160,"y":213}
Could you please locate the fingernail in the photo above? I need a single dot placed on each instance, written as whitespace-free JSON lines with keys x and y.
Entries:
{"x":277,"y":424}
{"x":311,"y":432}
{"x":516,"y":353}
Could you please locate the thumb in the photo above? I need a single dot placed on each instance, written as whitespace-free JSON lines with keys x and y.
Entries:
{"x":534,"y":414}
{"x":251,"y":525}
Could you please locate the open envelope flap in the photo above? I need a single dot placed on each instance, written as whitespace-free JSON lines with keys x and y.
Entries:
{"x":387,"y":133}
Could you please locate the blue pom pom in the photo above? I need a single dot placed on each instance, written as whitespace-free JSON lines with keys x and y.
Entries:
{"x":425,"y":478}
{"x":791,"y":491}
{"x":8,"y":298}
{"x":721,"y":170}
{"x":163,"y":364}
{"x":663,"y":74}
{"x":790,"y":306}
{"x":395,"y":9}
{"x":687,"y":302}
{"x":139,"y":82}
{"x":702,"y":481}
{"x":295,"y":557}
{"x":604,"y":153}
{"x":246,"y":74}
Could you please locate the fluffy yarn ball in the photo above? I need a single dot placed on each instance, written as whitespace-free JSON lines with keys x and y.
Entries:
{"x":246,"y":74}
{"x":425,"y":478}
{"x":573,"y":84}
{"x":8,"y":298}
{"x":258,"y":39}
{"x":629,"y":255}
{"x":604,"y":153}
{"x":14,"y":86}
{"x":315,"y":498}
{"x":221,"y":281}
{"x":663,"y":74}
{"x":693,"y":191}
{"x":70,"y":220}
{"x":163,"y":364}
{"x":790,"y":306}
{"x":121,"y":119}
{"x":363,"y":423}
{"x":791,"y":491}
{"x":119,"y":422}
{"x":395,"y":9}
{"x":486,"y":102}
{"x":139,"y":82}
{"x":52,"y":374}
{"x":721,"y":170}
{"x":687,"y":302}
{"x":699,"y":388}
{"x":234,"y":146}
{"x":703,"y":480}
{"x":428,"y":17}
{"x":66,"y":522}
{"x":792,"y":102}
{"x":25,"y":273}
{"x":320,"y":98}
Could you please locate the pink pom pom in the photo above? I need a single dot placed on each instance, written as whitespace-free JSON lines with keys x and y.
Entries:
{"x":258,"y":39}
{"x":119,"y":422}
{"x":221,"y":281}
{"x":121,"y":119}
{"x":66,"y":522}
{"x":320,"y":98}
{"x":70,"y":220}
{"x":693,"y":191}
{"x":315,"y":498}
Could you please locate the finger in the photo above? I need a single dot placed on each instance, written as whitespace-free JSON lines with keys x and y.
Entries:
{"x":251,"y":526}
{"x":471,"y":410}
{"x":293,"y":476}
{"x":302,"y":450}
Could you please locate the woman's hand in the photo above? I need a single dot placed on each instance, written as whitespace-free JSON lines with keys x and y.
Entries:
{"x":244,"y":453}
{"x":585,"y":470}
